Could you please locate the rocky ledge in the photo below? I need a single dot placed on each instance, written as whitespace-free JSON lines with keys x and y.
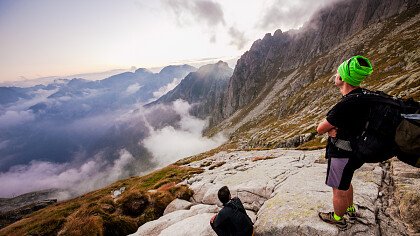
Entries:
{"x":283,"y":190}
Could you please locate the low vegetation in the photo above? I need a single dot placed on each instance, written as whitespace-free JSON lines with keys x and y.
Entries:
{"x":99,"y":213}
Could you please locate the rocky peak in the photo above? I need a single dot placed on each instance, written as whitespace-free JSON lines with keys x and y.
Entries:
{"x":177,"y":70}
{"x":219,"y":70}
{"x":76,"y":82}
{"x":143,"y":71}
{"x":287,"y":51}
{"x":204,"y":88}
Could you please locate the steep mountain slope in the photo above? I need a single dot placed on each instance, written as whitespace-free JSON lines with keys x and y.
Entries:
{"x":282,"y":52}
{"x":203,"y":88}
{"x":281,"y":88}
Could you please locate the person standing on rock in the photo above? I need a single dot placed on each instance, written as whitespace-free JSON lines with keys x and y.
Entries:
{"x":232,"y":219}
{"x":343,"y":123}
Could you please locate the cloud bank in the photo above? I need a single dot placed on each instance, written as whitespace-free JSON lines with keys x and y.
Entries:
{"x":169,"y":144}
{"x":136,"y":142}
{"x":72,"y":181}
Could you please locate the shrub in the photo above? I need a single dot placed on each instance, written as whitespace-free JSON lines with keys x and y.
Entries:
{"x":133,"y":204}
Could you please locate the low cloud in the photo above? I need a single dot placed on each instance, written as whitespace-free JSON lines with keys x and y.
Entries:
{"x":165,"y":89}
{"x":133,"y":89}
{"x":39,"y":96}
{"x":169,"y":144}
{"x":287,"y":14}
{"x":93,"y":174}
{"x":13,"y":118}
{"x":138,"y":140}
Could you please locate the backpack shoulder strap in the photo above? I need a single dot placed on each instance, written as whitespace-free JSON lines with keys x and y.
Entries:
{"x":371,"y":96}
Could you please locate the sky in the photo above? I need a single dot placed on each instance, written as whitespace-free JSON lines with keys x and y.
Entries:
{"x":57,"y":37}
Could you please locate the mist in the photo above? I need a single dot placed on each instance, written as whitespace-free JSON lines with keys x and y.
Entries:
{"x":69,"y":181}
{"x":127,"y":142}
{"x":169,"y":144}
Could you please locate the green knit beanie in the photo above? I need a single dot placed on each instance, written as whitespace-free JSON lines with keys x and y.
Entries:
{"x":352,"y":72}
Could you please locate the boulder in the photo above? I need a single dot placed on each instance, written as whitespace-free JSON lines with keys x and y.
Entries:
{"x":406,"y":195}
{"x":194,"y":225}
{"x":252,"y":215}
{"x":210,"y":195}
{"x":177,"y":204}
{"x":200,"y":190}
{"x":153,"y":228}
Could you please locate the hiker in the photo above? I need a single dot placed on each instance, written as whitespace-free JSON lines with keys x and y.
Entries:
{"x":343,"y":123}
{"x":232,"y":218}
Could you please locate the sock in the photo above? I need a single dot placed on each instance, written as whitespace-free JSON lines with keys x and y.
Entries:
{"x":351,"y":208}
{"x":336,"y":217}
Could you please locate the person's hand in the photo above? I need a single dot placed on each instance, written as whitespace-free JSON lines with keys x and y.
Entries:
{"x":332,"y":132}
{"x":212,"y":219}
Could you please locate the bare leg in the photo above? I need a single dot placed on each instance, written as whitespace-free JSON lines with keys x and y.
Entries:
{"x":340,"y":201}
{"x":350,"y":196}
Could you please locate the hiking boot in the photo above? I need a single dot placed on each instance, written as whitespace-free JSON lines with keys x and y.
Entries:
{"x":351,"y":216}
{"x":329,"y":218}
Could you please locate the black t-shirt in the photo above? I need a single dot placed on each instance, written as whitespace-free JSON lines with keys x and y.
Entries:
{"x":349,"y":116}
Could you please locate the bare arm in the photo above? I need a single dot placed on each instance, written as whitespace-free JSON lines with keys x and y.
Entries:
{"x":325,"y":127}
{"x":212,"y":219}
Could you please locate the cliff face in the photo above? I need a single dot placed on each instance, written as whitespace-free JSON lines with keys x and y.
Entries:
{"x":281,"y":88}
{"x":281,"y":52}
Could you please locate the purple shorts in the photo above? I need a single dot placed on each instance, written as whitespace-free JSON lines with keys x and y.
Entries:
{"x":340,"y":172}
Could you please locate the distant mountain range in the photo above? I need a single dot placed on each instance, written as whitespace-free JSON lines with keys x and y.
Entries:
{"x":50,"y":79}
{"x":56,"y":121}
{"x":71,"y":123}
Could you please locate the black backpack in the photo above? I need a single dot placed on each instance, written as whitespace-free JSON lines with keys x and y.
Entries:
{"x":392,"y":129}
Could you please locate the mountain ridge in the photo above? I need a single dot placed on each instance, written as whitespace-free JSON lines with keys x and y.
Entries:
{"x":287,"y":51}
{"x":202,"y":88}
